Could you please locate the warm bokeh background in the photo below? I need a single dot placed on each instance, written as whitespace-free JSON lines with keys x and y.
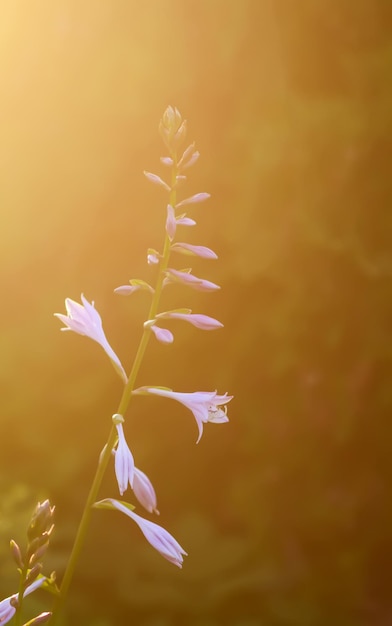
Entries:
{"x":286,"y":511}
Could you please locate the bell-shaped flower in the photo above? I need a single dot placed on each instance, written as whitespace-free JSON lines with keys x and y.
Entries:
{"x":144,"y":491}
{"x":197,"y":319}
{"x":124,"y":465}
{"x":200,"y":284}
{"x":158,"y":537}
{"x":84,"y":319}
{"x":187,"y":248}
{"x":7,"y":610}
{"x":197,"y":197}
{"x":206,"y":406}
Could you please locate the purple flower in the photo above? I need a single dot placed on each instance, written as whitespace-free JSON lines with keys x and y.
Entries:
{"x":144,"y":491}
{"x":187,"y":248}
{"x":205,"y":405}
{"x":197,"y":319}
{"x":157,"y":536}
{"x":189,"y":279}
{"x":124,"y":465}
{"x":84,"y":319}
{"x":7,"y":611}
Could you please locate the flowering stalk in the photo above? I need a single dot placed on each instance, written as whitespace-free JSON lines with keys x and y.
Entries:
{"x":84,"y":319}
{"x":122,"y":407}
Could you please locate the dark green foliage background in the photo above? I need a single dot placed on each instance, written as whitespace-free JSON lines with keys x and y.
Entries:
{"x":286,"y":511}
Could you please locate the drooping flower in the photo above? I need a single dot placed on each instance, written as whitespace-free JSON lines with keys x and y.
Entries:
{"x":206,"y":406}
{"x":124,"y":465}
{"x":144,"y":491}
{"x":197,"y":319}
{"x":200,"y":284}
{"x":7,"y":610}
{"x":187,"y":248}
{"x":158,"y":537}
{"x":84,"y":319}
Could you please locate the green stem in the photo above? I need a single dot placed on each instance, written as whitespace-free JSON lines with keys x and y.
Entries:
{"x":111,"y":442}
{"x":18,"y":612}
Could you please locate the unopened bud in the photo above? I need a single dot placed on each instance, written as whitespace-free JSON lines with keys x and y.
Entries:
{"x":16,"y":553}
{"x":38,"y":554}
{"x":33,"y":574}
{"x":41,"y":520}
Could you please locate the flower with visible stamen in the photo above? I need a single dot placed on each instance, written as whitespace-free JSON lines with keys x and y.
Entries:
{"x":124,"y":465}
{"x":197,"y":197}
{"x":200,"y":284}
{"x":84,"y":319}
{"x":205,"y":405}
{"x":157,"y":537}
{"x":197,"y":319}
{"x":187,"y":248}
{"x":144,"y":491}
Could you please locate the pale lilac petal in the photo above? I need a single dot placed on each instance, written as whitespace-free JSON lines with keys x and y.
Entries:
{"x":84,"y":319}
{"x":197,"y":319}
{"x":189,"y":157}
{"x":162,"y":334}
{"x":205,"y":405}
{"x":187,"y":248}
{"x":124,"y":465}
{"x":144,"y":491}
{"x":185,"y":221}
{"x":158,"y":537}
{"x":197,"y":197}
{"x":152,"y":259}
{"x":167,"y":161}
{"x":157,"y":180}
{"x":192,"y":160}
{"x":200,"y":284}
{"x":125,"y":290}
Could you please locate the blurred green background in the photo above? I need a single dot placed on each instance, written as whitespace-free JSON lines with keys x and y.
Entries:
{"x":285,"y":511}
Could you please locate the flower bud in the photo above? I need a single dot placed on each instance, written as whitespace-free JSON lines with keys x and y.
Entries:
{"x":41,"y":520}
{"x":16,"y":553}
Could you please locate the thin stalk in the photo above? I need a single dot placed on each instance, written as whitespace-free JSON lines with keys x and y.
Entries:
{"x":112,"y":438}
